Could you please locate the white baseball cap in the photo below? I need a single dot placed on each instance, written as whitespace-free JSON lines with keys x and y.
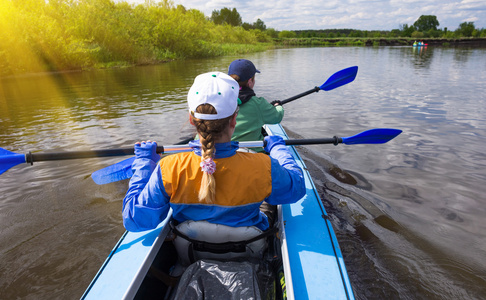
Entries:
{"x":217,"y":89}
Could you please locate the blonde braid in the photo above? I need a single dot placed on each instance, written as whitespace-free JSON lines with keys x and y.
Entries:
{"x":209,"y":131}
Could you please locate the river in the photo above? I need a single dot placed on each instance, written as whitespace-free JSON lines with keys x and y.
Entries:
{"x":409,"y":214}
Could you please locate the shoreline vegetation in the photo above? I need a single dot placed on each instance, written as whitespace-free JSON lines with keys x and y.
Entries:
{"x":62,"y":35}
{"x":380,"y":41}
{"x":70,"y":35}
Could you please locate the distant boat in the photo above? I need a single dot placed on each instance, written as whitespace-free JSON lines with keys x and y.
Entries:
{"x":419,"y":44}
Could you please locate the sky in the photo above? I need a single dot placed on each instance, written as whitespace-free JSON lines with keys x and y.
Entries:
{"x":352,"y":14}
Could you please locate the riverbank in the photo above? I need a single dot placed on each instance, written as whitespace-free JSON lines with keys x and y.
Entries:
{"x":339,"y":42}
{"x":218,"y":50}
{"x":244,"y":49}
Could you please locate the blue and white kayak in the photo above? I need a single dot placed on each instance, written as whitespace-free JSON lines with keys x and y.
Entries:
{"x":312,"y":261}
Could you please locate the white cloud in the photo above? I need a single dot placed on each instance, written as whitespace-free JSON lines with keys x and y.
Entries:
{"x":355,"y":14}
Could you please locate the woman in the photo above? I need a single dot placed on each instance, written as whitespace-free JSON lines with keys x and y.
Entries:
{"x":214,"y":183}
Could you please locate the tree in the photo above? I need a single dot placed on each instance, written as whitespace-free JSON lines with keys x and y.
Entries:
{"x":434,"y":33}
{"x":425,"y":23}
{"x":259,"y":24}
{"x":407,"y":30}
{"x":395,"y":33}
{"x":465,"y":29}
{"x":247,"y":26}
{"x":356,"y":34}
{"x":226,"y":16}
{"x":271,"y":32}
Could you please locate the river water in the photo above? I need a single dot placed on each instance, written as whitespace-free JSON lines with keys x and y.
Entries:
{"x":409,"y":214}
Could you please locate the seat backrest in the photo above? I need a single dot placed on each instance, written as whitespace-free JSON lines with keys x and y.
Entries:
{"x":216,"y":233}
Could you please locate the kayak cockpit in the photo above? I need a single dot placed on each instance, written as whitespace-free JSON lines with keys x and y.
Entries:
{"x":256,"y":273}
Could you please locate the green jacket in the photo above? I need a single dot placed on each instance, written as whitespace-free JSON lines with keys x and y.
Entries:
{"x":253,"y":114}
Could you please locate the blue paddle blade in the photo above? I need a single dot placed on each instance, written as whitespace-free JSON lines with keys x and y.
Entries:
{"x":10,"y":159}
{"x":340,"y":78}
{"x":116,"y":172}
{"x":372,"y":136}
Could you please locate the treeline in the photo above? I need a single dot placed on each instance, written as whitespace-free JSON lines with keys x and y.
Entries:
{"x":333,"y":33}
{"x":39,"y":35}
{"x":426,"y":26}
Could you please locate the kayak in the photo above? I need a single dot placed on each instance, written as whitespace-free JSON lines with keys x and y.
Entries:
{"x":420,"y":45}
{"x":310,"y":262}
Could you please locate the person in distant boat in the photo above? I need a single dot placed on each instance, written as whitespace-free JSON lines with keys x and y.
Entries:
{"x":215,"y":182}
{"x":254,"y":111}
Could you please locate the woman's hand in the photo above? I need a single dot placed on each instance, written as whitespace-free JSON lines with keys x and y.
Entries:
{"x":147,"y":149}
{"x":271,"y":141}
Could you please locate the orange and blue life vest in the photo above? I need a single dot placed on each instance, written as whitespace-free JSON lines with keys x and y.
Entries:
{"x":243,"y":181}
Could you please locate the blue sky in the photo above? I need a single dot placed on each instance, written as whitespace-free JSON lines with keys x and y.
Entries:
{"x":354,"y":14}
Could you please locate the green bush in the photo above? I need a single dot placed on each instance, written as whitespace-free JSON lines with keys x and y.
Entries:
{"x":287,"y":34}
{"x":417,"y":34}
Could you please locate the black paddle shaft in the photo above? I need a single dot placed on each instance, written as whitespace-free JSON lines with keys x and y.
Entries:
{"x":314,"y":90}
{"x":296,"y":142}
{"x":31,"y":157}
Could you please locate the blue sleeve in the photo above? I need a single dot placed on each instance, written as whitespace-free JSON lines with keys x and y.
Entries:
{"x":146,"y":203}
{"x":288,"y":183}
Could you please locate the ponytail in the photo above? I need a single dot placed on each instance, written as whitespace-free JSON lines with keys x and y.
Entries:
{"x":240,"y":83}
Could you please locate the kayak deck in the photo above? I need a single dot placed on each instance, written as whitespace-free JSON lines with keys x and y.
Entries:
{"x":128,"y":263}
{"x":313,"y":264}
{"x":316,"y":261}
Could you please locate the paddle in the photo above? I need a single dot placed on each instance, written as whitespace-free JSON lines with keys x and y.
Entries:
{"x":10,"y":159}
{"x":338,"y":79}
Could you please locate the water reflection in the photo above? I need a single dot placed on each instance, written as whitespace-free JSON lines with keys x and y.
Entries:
{"x":422,"y":57}
{"x":461,"y":56}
